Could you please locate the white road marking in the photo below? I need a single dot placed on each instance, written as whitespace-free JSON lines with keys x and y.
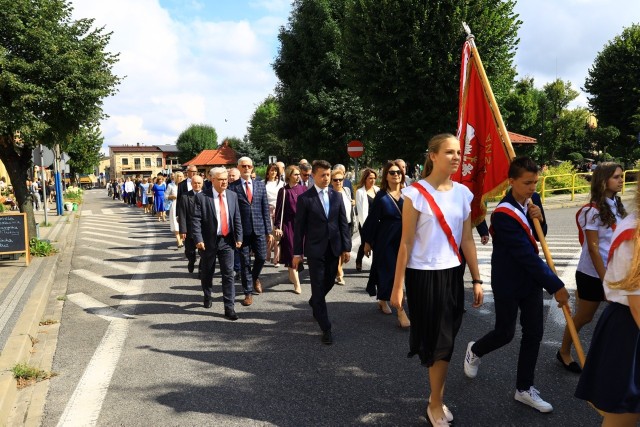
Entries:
{"x":85,"y":404}
{"x":109,"y":264}
{"x":110,"y":236}
{"x":96,"y":307}
{"x":96,"y":278}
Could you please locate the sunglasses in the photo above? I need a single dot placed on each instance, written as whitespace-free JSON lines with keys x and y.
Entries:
{"x":394,"y":173}
{"x":338,"y":179}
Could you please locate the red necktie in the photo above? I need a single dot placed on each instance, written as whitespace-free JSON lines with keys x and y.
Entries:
{"x":249,"y":195}
{"x":224,"y":225}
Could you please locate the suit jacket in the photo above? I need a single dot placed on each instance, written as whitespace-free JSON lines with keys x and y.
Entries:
{"x":186,"y":206}
{"x":316,"y":230}
{"x":255,"y":215}
{"x":516,"y":268}
{"x":205,"y":224}
{"x":183,"y":189}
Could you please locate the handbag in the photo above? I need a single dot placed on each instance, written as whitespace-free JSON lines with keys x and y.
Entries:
{"x":277,"y":236}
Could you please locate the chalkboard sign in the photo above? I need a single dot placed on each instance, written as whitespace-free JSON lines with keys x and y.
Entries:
{"x":14,"y":237}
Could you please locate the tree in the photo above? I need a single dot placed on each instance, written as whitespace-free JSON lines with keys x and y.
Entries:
{"x":54,"y":74}
{"x":195,"y":139}
{"x":558,"y":122}
{"x":614,"y":88}
{"x":402,"y":57}
{"x":263,"y":128}
{"x":245,"y":148}
{"x":83,"y":149}
{"x":318,"y":113}
{"x":521,"y":108}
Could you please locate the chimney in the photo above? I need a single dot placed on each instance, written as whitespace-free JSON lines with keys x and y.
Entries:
{"x":138,"y":144}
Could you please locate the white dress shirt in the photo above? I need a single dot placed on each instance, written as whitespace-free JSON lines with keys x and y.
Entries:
{"x":216,"y":204}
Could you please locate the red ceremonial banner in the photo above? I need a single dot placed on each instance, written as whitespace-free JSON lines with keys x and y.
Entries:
{"x":485,"y":161}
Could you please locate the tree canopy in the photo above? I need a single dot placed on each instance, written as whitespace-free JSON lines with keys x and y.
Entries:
{"x":263,"y":131}
{"x":194,"y":139}
{"x":614,"y":87}
{"x":385,"y":72}
{"x":54,"y":74}
{"x":83,"y":149}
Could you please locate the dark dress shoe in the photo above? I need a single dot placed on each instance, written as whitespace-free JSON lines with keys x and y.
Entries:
{"x":230,"y":314}
{"x":248,"y":300}
{"x":327,"y":338}
{"x":190,"y":266}
{"x":207,"y":302}
{"x":257,"y":286}
{"x":571,"y":367}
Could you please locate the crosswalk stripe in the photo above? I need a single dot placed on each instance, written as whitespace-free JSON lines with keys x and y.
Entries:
{"x":93,"y":306}
{"x":104,"y":281}
{"x":109,"y":264}
{"x":110,"y":237}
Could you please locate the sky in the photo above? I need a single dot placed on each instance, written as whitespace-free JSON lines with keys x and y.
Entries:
{"x":209,"y":61}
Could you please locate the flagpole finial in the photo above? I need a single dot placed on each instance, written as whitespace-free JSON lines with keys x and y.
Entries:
{"x":467,"y":30}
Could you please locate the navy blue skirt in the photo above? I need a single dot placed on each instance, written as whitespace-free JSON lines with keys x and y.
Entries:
{"x":611,"y":375}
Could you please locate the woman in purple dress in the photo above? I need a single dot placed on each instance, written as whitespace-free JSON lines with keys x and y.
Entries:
{"x":285,"y":217}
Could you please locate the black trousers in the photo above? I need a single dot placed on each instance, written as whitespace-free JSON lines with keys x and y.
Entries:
{"x":190,"y":248}
{"x":531,"y":320}
{"x":322,"y":273}
{"x":224,"y":253}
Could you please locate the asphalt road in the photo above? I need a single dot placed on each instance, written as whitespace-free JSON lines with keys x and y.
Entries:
{"x":136,"y":347}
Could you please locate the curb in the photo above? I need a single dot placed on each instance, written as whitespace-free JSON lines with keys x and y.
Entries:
{"x":19,"y":347}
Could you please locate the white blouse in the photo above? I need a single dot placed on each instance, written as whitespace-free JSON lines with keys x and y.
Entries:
{"x":431,"y":248}
{"x":621,"y":264}
{"x":589,"y":220}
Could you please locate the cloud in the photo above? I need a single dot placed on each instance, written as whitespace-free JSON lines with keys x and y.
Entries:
{"x":180,"y":72}
{"x":560,"y":39}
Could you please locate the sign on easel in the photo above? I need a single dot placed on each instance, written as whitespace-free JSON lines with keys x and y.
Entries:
{"x":14,"y":235}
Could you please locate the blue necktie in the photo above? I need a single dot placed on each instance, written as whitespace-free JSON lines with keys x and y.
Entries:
{"x":325,"y":201}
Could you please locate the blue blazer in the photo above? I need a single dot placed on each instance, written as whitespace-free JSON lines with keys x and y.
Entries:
{"x":204,"y":223}
{"x":516,"y":268}
{"x":255,"y":215}
{"x":316,"y":230}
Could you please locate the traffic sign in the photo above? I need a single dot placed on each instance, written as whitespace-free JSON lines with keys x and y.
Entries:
{"x":355,"y":149}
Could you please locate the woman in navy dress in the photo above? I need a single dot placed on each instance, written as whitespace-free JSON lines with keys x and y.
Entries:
{"x":284,"y":221}
{"x":381,"y":232}
{"x":158,"y":197}
{"x":610,"y":377}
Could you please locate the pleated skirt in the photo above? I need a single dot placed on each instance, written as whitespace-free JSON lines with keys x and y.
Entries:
{"x":610,"y":378}
{"x":435,"y":299}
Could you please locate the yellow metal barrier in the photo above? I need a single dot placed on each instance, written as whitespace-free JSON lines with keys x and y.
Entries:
{"x":624,"y":175}
{"x":543,"y":190}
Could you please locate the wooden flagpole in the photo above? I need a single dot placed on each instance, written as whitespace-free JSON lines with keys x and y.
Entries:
{"x":507,"y":144}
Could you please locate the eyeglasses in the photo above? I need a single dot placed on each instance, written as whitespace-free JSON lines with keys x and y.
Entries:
{"x":338,"y":179}
{"x":246,"y":166}
{"x":394,"y":172}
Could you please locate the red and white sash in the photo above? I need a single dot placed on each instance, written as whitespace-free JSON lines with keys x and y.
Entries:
{"x":515,"y":213}
{"x":627,"y":232}
{"x":440,"y":216}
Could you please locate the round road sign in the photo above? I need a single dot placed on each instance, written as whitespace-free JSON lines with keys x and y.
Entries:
{"x":355,"y":149}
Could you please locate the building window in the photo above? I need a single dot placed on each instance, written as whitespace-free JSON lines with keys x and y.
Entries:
{"x":159,"y":162}
{"x":136,"y":163}
{"x":147,"y":162}
{"x":125,"y":162}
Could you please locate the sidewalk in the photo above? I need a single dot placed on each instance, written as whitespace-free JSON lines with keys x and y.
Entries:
{"x":24,"y":294}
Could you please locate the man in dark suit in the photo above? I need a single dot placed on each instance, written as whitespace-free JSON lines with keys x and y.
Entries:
{"x":256,"y":226}
{"x":321,"y":223}
{"x":217,"y":230}
{"x":185,"y":186}
{"x":518,"y":277}
{"x":186,"y":206}
{"x":306,"y":179}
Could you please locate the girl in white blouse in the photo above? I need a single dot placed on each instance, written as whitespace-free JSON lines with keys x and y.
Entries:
{"x":610,"y":378}
{"x":428,"y":264}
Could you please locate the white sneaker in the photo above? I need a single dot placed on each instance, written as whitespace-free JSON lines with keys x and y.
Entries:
{"x":532,"y":398}
{"x":471,"y":362}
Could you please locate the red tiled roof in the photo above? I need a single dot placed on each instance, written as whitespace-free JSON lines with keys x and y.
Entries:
{"x":133,"y":148}
{"x":516,"y":138}
{"x":224,"y":155}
